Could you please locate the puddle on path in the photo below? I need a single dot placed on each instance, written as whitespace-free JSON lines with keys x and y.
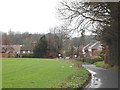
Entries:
{"x":95,"y":81}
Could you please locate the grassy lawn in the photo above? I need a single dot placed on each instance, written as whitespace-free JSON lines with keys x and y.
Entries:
{"x":39,"y":73}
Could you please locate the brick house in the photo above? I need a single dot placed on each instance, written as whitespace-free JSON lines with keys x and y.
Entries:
{"x":27,"y":49}
{"x":10,"y":50}
{"x":92,"y":49}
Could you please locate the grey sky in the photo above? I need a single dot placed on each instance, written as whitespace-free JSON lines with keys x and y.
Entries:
{"x":28,"y":15}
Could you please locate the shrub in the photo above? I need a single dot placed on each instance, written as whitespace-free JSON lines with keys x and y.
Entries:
{"x":107,"y":66}
{"x":27,"y":55}
{"x":92,"y":59}
{"x":99,"y":64}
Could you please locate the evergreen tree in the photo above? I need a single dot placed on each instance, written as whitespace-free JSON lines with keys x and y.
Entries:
{"x":40,"y":50}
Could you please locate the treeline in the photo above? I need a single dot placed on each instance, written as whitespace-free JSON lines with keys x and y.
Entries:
{"x":15,"y":38}
{"x":48,"y":45}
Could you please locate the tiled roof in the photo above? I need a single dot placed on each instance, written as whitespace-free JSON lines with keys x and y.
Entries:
{"x":27,"y":47}
{"x":95,"y":45}
{"x":88,"y":45}
{"x":16,"y":48}
{"x":92,"y":45}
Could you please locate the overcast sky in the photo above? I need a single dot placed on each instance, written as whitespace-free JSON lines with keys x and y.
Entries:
{"x":34,"y":16}
{"x":28,"y":15}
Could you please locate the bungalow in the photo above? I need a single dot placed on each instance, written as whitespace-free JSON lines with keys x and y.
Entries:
{"x":15,"y":50}
{"x":86,"y":51}
{"x":27,"y":49}
{"x":95,"y":49}
{"x":9,"y":50}
{"x":92,"y":49}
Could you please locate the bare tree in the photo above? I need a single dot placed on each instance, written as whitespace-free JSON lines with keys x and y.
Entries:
{"x":58,"y":37}
{"x":97,"y":17}
{"x":80,"y":16}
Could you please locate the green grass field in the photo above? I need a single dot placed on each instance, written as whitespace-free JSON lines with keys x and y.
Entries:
{"x":36,"y":73}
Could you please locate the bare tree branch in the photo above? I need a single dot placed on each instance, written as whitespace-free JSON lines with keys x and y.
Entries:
{"x":79,"y":16}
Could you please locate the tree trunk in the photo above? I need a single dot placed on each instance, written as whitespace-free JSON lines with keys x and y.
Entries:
{"x":106,"y":57}
{"x":113,"y":52}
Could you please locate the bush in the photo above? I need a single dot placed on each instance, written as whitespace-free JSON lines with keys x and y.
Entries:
{"x":87,"y":59}
{"x":107,"y":66}
{"x":27,"y":56}
{"x":96,"y":59}
{"x":90,"y":59}
{"x":99,"y":64}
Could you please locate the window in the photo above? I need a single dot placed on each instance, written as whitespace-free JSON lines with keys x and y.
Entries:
{"x":28,"y":51}
{"x":23,"y":51}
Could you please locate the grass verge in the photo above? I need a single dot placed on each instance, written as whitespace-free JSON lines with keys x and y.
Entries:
{"x":76,"y":80}
{"x":42,"y":73}
{"x":106,"y":66}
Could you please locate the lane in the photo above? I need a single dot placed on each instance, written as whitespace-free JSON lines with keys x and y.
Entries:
{"x":102,"y":78}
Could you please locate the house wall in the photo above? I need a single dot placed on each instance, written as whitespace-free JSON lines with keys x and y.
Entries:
{"x":26,"y":52}
{"x":87,"y":53}
{"x":7,"y":55}
{"x":95,"y":52}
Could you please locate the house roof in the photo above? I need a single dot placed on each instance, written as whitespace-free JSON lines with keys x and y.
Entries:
{"x":27,"y":47}
{"x":95,"y":45}
{"x":87,"y":46}
{"x":15,"y":48}
{"x":92,"y":45}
